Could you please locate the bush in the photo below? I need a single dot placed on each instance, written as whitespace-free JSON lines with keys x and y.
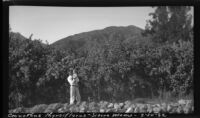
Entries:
{"x":115,"y":70}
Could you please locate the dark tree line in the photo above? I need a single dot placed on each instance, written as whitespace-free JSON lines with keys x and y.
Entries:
{"x":113,"y":69}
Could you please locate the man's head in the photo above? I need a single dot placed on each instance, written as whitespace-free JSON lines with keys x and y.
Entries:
{"x":70,"y":71}
{"x":74,"y":70}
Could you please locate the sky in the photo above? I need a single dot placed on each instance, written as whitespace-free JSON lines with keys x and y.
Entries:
{"x":54,"y":23}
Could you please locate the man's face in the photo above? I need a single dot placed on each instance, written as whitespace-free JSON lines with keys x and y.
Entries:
{"x":70,"y":72}
{"x":74,"y":71}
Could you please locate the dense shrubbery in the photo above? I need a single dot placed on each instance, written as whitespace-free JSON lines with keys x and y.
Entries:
{"x":110,"y":71}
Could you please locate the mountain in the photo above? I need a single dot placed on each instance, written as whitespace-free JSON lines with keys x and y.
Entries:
{"x":109,"y":33}
{"x":17,"y":35}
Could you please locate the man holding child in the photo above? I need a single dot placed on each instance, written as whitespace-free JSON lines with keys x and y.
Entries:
{"x":74,"y":90}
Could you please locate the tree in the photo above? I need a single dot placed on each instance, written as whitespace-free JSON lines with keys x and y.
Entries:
{"x":27,"y":64}
{"x":169,"y":24}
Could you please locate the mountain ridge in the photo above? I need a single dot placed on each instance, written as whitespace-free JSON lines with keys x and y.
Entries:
{"x":111,"y":32}
{"x":106,"y":28}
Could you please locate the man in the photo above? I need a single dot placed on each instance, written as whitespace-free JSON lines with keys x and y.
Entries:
{"x":74,"y":91}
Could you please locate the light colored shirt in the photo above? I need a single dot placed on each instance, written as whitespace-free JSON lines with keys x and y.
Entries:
{"x":73,"y":80}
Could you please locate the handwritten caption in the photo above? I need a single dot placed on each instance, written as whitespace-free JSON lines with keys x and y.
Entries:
{"x":84,"y":115}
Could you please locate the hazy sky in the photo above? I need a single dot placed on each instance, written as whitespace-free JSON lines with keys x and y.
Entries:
{"x":54,"y":23}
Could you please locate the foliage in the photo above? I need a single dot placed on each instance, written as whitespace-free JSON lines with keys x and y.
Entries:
{"x":170,"y":24}
{"x":27,"y":63}
{"x":114,"y":68}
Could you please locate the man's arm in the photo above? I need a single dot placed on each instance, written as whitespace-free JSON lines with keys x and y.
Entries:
{"x":77,"y":79}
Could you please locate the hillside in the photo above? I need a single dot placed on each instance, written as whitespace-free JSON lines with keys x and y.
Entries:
{"x":17,"y":35}
{"x":109,"y":33}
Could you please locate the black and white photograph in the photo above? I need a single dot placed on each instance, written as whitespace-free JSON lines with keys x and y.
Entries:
{"x":126,"y":59}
